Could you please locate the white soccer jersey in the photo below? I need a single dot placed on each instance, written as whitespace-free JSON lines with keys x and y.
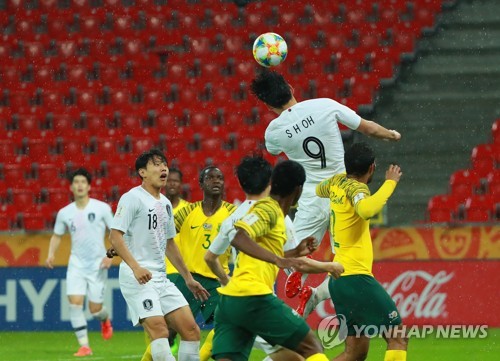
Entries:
{"x":227,"y":231}
{"x":147,"y":223}
{"x":308,"y":133}
{"x":87,"y":227}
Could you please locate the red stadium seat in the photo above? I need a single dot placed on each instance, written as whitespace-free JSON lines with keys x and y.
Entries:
{"x":494,"y":184}
{"x":116,"y":171}
{"x":13,"y":173}
{"x":483,"y":158}
{"x":8,"y":216}
{"x":441,"y":208}
{"x":477,"y":208}
{"x":22,"y":198}
{"x":47,"y":173}
{"x":58,"y":197}
{"x":463,"y":183}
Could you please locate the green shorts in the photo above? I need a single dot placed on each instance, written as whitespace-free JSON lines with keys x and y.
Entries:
{"x":363,"y":302}
{"x":207,"y":308}
{"x":174,"y":277}
{"x":238,"y":320}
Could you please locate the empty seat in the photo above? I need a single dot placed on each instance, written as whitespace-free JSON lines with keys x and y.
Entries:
{"x":58,"y":197}
{"x":478,"y":208}
{"x":441,"y":208}
{"x":22,"y":198}
{"x":463,"y":183}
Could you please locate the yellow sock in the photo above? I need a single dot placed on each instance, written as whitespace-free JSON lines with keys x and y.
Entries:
{"x":146,"y":338}
{"x":206,"y":349}
{"x":317,"y":357}
{"x":395,"y":355}
{"x":147,"y":355}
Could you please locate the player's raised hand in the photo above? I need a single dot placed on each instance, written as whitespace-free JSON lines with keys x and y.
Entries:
{"x":110,"y":252}
{"x":336,"y":269}
{"x":50,"y":262}
{"x":142,"y":275}
{"x":307,"y":246}
{"x":106,"y":262}
{"x":199,"y":292}
{"x":393,"y":173}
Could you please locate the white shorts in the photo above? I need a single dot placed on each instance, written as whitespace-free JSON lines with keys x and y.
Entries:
{"x":85,"y":282}
{"x":263,"y":345}
{"x":312,"y":217}
{"x":158,"y":297}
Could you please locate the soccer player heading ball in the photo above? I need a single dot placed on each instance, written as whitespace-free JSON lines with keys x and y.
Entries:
{"x":308,"y":132}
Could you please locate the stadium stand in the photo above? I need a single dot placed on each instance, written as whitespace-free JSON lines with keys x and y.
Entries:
{"x":94,"y":83}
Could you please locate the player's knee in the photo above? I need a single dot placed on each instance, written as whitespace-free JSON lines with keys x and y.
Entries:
{"x":95,"y":307}
{"x":190,"y":332}
{"x":156,"y":328}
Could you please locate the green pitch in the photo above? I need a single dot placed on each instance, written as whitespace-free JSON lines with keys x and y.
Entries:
{"x":60,"y":346}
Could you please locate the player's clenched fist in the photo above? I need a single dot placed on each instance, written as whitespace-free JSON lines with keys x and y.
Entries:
{"x":142,"y":275}
{"x":393,"y":173}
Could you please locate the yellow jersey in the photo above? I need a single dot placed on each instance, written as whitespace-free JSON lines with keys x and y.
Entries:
{"x":264,"y":223}
{"x":170,"y":267}
{"x":196,"y":233}
{"x":351,"y":207}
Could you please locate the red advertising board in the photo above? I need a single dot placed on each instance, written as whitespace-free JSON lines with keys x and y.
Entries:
{"x":430,"y":292}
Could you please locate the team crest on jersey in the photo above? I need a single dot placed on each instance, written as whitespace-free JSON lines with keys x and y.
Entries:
{"x":169,"y":211}
{"x":207,"y":226}
{"x":148,"y":304}
{"x":91,"y":217}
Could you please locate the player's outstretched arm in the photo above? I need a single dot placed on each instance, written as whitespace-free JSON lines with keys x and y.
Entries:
{"x":213,"y":263}
{"x":244,"y":243}
{"x":142,"y":275}
{"x":312,"y":266}
{"x":375,"y":130}
{"x":369,"y":207}
{"x":55,"y":241}
{"x":174,"y":256}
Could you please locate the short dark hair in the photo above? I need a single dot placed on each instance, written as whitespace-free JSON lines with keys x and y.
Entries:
{"x":83,"y":172}
{"x":358,"y":159}
{"x":287,"y":175}
{"x":143,"y":160}
{"x":204,"y":172}
{"x":175,"y":170}
{"x":254,"y":174}
{"x":271,"y":88}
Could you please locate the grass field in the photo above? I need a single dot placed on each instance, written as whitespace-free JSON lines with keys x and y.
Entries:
{"x":59,"y":346}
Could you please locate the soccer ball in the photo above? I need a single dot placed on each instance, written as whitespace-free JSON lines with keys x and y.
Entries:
{"x":270,"y":49}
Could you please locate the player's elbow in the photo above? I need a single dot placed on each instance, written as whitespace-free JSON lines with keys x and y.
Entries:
{"x":210,"y":258}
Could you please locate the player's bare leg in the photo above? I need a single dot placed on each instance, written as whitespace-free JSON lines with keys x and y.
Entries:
{"x":397,"y":344}
{"x":99,"y":312}
{"x":310,"y":348}
{"x":156,"y":327}
{"x":356,"y":349}
{"x":183,"y":322}
{"x":79,"y":324}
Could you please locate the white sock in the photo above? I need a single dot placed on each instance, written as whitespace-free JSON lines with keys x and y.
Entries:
{"x":102,"y":315}
{"x":303,"y":278}
{"x":322,"y":291}
{"x":268,"y":359}
{"x":189,"y":351}
{"x":79,"y":324}
{"x":160,"y":350}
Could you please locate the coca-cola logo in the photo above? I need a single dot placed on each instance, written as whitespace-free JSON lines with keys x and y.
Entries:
{"x":416,"y":293}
